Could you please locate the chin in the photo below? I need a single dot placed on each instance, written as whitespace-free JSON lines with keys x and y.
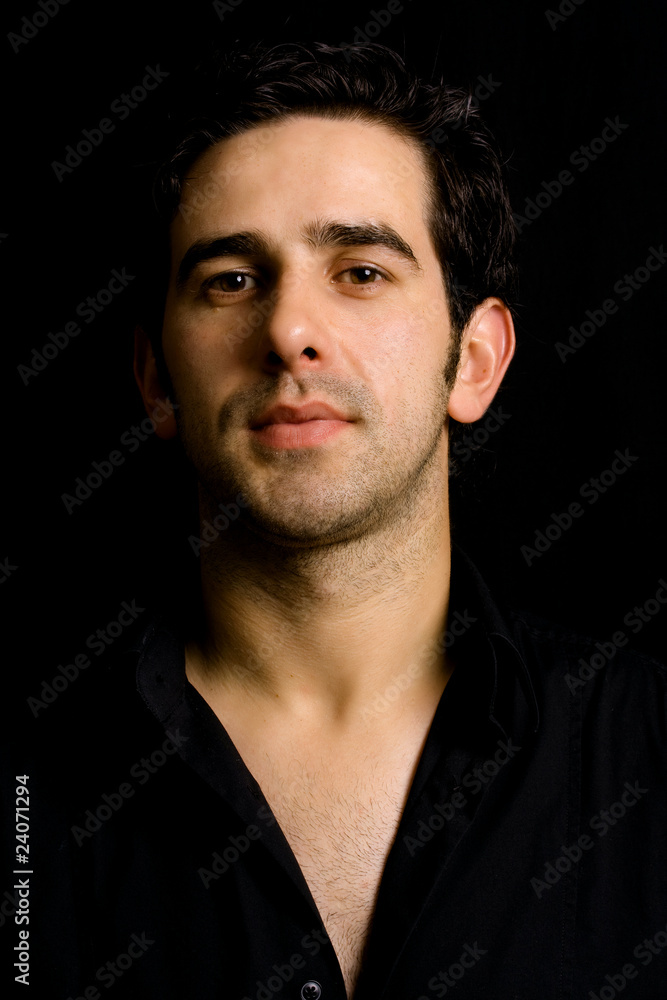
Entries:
{"x":306,"y":529}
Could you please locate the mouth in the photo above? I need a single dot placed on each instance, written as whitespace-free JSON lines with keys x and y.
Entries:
{"x":285,"y":426}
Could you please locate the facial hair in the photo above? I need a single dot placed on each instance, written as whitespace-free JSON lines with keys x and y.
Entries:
{"x":307,"y":497}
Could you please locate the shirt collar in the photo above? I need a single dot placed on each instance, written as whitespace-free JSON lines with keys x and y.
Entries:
{"x":513,"y":704}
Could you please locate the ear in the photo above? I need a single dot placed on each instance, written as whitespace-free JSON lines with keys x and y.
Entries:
{"x":487,"y":347}
{"x":157,"y":404}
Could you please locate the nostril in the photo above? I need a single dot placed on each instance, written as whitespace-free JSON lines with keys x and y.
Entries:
{"x":310,"y":351}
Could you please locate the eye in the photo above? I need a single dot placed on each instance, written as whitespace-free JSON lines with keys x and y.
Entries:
{"x":231,"y":281}
{"x":361,"y":276}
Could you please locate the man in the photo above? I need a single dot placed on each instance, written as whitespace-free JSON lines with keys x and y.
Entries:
{"x":351,"y":775}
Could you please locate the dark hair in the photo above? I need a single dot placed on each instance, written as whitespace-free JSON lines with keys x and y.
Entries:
{"x":471,"y":221}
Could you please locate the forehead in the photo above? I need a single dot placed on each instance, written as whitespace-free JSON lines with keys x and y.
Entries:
{"x":289,"y":173}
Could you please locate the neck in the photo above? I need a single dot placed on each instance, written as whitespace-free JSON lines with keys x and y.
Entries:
{"x":323,"y":630}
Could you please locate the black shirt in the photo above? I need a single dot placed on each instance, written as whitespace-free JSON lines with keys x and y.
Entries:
{"x":529,"y":863}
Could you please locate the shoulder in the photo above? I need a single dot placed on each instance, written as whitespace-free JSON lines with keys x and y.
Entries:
{"x":609,"y":697}
{"x":94,"y":722}
{"x":580,"y":658}
{"x":570,"y":678}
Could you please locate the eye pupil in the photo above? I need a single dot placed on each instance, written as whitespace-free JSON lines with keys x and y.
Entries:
{"x":362,"y":273}
{"x":232,"y":282}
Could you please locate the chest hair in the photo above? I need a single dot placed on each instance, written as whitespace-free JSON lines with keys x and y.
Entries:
{"x":340,"y":828}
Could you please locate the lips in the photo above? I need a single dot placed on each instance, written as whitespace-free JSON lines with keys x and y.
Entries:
{"x":284,"y":414}
{"x":291,"y":427}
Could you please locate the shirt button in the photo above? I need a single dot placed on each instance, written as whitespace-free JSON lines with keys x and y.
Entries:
{"x":311,"y":990}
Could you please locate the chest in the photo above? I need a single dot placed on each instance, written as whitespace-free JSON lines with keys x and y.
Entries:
{"x":340,"y":823}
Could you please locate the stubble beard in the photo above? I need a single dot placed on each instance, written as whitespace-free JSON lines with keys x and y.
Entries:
{"x":382,"y":479}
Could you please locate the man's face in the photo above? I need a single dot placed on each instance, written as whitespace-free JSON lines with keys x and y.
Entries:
{"x":324,"y":287}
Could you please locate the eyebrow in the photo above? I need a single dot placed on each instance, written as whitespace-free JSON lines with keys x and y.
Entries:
{"x":249,"y":244}
{"x":326,"y":235}
{"x":319,"y":235}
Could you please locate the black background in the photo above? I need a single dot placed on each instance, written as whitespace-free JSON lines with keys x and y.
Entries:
{"x":61,"y":240}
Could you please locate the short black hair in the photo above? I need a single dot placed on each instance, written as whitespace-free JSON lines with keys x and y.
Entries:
{"x":471,"y":220}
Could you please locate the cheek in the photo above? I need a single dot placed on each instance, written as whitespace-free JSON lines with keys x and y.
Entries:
{"x":406,"y":376}
{"x":410,"y":344}
{"x":196,"y":355}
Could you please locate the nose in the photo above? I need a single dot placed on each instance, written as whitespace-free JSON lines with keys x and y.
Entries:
{"x":297,"y":333}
